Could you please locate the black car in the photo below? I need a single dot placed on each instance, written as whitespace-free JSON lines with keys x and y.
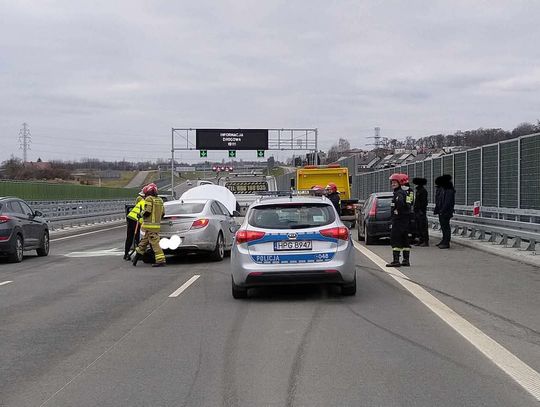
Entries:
{"x":374,"y":219}
{"x":21,"y":229}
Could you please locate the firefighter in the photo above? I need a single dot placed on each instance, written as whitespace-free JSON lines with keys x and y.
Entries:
{"x":420,"y":211}
{"x":333,"y":194}
{"x":134,"y":219}
{"x":401,"y":215}
{"x":317,"y":190}
{"x":411,"y":233}
{"x":152,"y":215}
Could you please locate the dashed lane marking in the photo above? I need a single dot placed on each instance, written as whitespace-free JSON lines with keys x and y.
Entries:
{"x":523,"y":374}
{"x":87,"y":233}
{"x":121,"y":340}
{"x":5,"y":282}
{"x":184,"y":286}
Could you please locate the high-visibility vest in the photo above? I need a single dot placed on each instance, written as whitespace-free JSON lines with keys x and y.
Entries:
{"x":136,"y":212}
{"x":153,"y":212}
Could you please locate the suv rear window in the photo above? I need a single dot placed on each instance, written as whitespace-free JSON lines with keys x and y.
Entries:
{"x":185,"y":208}
{"x":384,"y":202}
{"x":291,"y":216}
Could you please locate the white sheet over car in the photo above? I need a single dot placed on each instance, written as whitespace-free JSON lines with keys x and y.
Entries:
{"x":217,"y":192}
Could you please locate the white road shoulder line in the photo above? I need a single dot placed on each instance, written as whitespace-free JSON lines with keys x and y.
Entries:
{"x":5,"y":282}
{"x":184,"y":286}
{"x":87,"y":233}
{"x":523,"y":374}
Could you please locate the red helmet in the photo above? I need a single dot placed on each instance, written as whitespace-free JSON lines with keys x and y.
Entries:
{"x":150,"y":189}
{"x":400,"y":178}
{"x":331,"y":187}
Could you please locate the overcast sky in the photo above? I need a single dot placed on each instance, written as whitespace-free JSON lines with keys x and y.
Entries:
{"x":108,"y":79}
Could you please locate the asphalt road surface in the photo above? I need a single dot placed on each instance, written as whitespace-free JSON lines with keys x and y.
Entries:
{"x":83,"y":328}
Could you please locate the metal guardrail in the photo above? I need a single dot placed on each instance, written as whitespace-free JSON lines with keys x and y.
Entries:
{"x":496,"y":231}
{"x":61,"y":214}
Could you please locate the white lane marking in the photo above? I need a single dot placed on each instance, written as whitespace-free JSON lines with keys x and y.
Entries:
{"x":87,"y":233}
{"x":96,"y":253}
{"x":184,"y":286}
{"x":5,"y":282}
{"x":523,"y":374}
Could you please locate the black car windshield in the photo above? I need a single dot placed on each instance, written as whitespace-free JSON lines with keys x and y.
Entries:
{"x":291,"y":216}
{"x":184,"y":208}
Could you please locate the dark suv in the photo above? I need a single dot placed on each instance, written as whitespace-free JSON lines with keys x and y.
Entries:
{"x":375,"y":217}
{"x":21,"y":229}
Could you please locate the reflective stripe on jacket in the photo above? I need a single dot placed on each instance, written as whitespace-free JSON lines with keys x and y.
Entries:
{"x":153,"y":212}
{"x":137,"y":211}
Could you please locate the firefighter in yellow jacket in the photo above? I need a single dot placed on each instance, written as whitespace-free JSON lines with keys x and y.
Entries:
{"x":134,"y":220}
{"x":153,"y":212}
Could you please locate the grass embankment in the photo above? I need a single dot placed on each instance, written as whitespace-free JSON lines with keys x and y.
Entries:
{"x":121,"y":182}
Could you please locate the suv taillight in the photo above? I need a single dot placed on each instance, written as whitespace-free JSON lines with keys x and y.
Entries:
{"x":200,"y":223}
{"x":373,"y":209}
{"x":4,"y":218}
{"x":341,"y":233}
{"x":244,"y":236}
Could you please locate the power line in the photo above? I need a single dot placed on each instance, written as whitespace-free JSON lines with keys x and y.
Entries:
{"x":24,"y":140}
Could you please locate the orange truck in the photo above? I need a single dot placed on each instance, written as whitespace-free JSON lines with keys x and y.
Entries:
{"x":311,"y":175}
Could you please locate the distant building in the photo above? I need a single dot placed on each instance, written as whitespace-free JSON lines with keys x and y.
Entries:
{"x":367,"y":162}
{"x":395,"y":160}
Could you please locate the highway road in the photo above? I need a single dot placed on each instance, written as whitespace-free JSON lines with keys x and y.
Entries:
{"x":83,"y":328}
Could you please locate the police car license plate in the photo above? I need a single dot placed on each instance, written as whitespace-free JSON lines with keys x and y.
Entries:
{"x":293,"y":245}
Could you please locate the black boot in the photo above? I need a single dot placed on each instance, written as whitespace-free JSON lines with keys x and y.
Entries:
{"x":127,"y":257}
{"x":406,"y":257}
{"x":395,"y":261}
{"x":136,"y":258}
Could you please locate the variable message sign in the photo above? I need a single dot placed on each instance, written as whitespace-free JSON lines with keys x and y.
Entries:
{"x":232,"y":139}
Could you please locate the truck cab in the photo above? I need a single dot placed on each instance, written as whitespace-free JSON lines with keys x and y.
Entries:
{"x":311,"y":175}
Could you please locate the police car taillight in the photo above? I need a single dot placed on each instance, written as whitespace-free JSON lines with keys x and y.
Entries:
{"x":341,"y":233}
{"x":244,"y":236}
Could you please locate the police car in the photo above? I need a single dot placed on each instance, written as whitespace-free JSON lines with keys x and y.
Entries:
{"x":294,"y":239}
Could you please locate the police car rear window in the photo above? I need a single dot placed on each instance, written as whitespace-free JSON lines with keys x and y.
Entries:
{"x":291,"y":216}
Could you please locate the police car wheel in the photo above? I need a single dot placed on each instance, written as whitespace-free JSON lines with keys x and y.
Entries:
{"x":237,"y":291}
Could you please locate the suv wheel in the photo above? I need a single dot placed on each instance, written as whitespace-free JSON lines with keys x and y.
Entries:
{"x":219,"y":252}
{"x":237,"y":291}
{"x":18,"y":250}
{"x":44,"y":249}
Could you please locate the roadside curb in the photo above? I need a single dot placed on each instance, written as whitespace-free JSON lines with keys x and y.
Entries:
{"x":522,"y":256}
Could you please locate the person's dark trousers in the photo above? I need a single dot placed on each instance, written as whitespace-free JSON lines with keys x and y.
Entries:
{"x":444,"y":220}
{"x":422,"y":227}
{"x":130,"y":235}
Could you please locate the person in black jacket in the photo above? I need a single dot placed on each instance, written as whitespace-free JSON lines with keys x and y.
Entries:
{"x":420,"y":211}
{"x":401,"y":217}
{"x":444,"y":207}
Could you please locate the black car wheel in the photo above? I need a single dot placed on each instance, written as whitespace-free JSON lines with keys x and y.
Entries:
{"x":369,"y":239}
{"x":18,"y":250}
{"x":360,"y":237}
{"x":219,"y":252}
{"x":44,"y":249}
{"x":237,"y":291}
